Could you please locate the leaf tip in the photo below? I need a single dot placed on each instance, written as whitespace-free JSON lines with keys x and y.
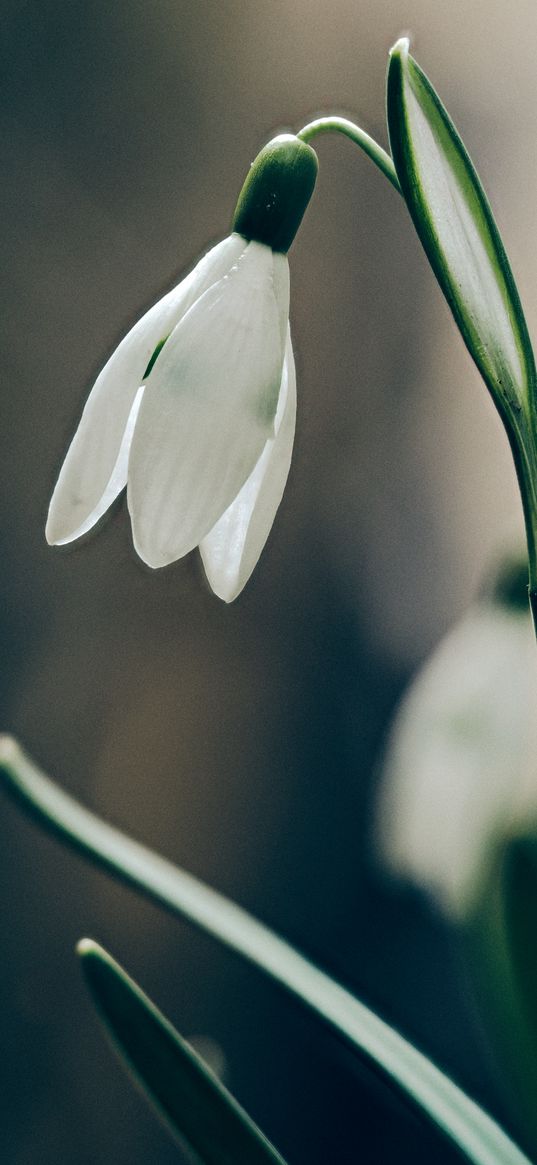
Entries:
{"x":401,"y":48}
{"x":9,"y":749}
{"x":87,"y":947}
{"x":94,"y":961}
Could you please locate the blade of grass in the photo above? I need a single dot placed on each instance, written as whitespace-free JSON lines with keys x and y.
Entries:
{"x":431,"y":1093}
{"x":193,"y":1103}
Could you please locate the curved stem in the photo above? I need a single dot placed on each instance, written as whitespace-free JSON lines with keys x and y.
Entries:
{"x":475,"y":1134}
{"x":524,"y":452}
{"x":360,"y":138}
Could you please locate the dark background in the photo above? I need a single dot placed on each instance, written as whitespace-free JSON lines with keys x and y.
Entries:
{"x":242,"y":742}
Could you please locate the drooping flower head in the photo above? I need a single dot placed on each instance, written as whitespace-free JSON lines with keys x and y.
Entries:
{"x":195,"y":409}
{"x":460,"y":774}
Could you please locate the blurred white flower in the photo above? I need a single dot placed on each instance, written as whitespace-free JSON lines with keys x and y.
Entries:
{"x":195,"y":413}
{"x":461,"y":766}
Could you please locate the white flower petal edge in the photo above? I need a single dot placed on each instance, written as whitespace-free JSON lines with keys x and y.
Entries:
{"x":209,"y":407}
{"x":118,"y":477}
{"x":94,"y":470}
{"x":232,"y":548}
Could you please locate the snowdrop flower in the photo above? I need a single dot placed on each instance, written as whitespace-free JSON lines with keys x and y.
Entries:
{"x":460,"y":775}
{"x":195,"y":409}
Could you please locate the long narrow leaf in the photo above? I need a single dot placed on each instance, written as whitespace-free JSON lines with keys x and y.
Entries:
{"x":197,"y":1108}
{"x":433,"y":1094}
{"x":454,"y":221}
{"x":501,"y":932}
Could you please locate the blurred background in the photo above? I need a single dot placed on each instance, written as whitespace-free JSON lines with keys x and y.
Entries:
{"x":243,"y":742}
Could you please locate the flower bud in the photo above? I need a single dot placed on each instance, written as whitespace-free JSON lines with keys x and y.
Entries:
{"x":276,"y":192}
{"x":509,"y":586}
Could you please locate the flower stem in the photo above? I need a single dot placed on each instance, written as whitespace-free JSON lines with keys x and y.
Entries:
{"x":520,"y":429}
{"x":360,"y":138}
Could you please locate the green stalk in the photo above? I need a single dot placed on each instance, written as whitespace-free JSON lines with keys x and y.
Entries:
{"x":359,"y":137}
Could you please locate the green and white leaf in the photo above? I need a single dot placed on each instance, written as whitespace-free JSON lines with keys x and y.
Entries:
{"x":193,"y":1103}
{"x":454,"y":221}
{"x":433,"y":1095}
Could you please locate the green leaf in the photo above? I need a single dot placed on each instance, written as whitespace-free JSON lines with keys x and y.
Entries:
{"x":429,"y":1091}
{"x":197,"y":1108}
{"x":502,"y":937}
{"x":520,"y":903}
{"x":455,"y":224}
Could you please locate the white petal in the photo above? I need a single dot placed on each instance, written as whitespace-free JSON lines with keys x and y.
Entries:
{"x":231,"y":549}
{"x":461,"y":751}
{"x":85,"y":480}
{"x":281,"y":291}
{"x":118,"y":478}
{"x":208,"y":411}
